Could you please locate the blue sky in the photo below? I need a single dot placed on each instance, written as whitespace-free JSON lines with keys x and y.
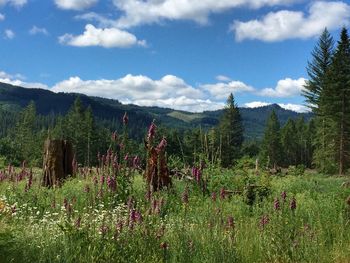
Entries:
{"x":182,"y":54}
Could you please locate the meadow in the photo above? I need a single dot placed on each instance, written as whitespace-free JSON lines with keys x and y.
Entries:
{"x":238,"y":215}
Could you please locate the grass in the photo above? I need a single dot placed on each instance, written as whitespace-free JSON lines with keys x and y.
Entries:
{"x":79,"y":222}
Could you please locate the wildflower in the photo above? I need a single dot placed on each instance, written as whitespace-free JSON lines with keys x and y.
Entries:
{"x":213,"y":196}
{"x":161,"y":146}
{"x":114,"y":136}
{"x":230,"y":222}
{"x":102,"y":179}
{"x":284,"y":196}
{"x":276,"y":204}
{"x":264,"y":221}
{"x":184,"y":196}
{"x":136,"y":162}
{"x":222,"y":193}
{"x":293,"y":203}
{"x":151,"y":131}
{"x":125,"y":119}
{"x":111,"y":183}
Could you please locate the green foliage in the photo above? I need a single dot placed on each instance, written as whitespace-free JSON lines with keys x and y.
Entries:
{"x":271,"y":151}
{"x":231,"y":133}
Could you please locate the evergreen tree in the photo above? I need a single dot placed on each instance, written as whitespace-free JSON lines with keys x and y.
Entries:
{"x":271,"y":152}
{"x":316,"y":88}
{"x":288,"y":140}
{"x":336,"y":100}
{"x":231,"y":133}
{"x":318,"y":68}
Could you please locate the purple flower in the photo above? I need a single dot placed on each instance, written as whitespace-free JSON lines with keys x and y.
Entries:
{"x":264,"y":221}
{"x":293,"y":203}
{"x":102,"y":179}
{"x":284,"y":196}
{"x":114,"y":136}
{"x":276,"y":204}
{"x":151,"y":131}
{"x":125,"y":119}
{"x":136,"y":162}
{"x":161,"y":146}
{"x":111,"y":183}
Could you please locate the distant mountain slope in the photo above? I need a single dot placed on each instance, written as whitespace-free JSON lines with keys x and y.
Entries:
{"x":14,"y":98}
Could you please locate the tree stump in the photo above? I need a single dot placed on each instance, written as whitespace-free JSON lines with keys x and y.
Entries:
{"x":58,"y":162}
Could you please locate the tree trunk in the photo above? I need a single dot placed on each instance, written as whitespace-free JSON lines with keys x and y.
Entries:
{"x":58,"y":162}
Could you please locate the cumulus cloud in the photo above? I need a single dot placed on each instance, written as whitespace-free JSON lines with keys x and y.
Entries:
{"x":15,"y":3}
{"x":288,"y":106}
{"x":9,"y":34}
{"x":256,"y":104}
{"x":223,"y":78}
{"x":75,"y":4}
{"x":285,"y":88}
{"x":137,"y":12}
{"x":281,"y":25}
{"x":38,"y":30}
{"x":107,"y":38}
{"x":222,"y":90}
{"x":18,"y":80}
{"x":169,"y":91}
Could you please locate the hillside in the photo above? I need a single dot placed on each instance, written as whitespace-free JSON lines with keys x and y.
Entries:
{"x":13,"y":98}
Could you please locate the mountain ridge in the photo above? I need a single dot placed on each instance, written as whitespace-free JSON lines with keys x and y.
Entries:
{"x":14,"y":98}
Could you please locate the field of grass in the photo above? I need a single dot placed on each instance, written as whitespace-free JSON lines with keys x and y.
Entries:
{"x":243,"y":217}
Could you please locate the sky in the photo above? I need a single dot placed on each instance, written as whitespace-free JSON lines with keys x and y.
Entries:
{"x":181,"y":54}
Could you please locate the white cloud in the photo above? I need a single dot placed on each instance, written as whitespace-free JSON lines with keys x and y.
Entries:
{"x":287,"y":106}
{"x":18,"y":80}
{"x":15,"y":3}
{"x":38,"y":30}
{"x":154,"y":11}
{"x":222,"y":90}
{"x":169,"y":91}
{"x":256,"y":104}
{"x":285,"y":88}
{"x":223,"y":78}
{"x":2,"y":17}
{"x":9,"y":34}
{"x":107,"y":38}
{"x":281,"y":25}
{"x":294,"y":107}
{"x":75,"y":4}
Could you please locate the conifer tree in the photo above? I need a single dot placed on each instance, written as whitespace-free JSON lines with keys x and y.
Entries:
{"x":336,"y":100}
{"x":271,"y":152}
{"x":315,"y":90}
{"x":231,"y":132}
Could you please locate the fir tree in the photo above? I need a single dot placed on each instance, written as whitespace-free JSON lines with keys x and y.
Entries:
{"x":271,"y":152}
{"x":231,"y":133}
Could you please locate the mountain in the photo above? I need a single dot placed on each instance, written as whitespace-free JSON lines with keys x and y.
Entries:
{"x":110,"y":112}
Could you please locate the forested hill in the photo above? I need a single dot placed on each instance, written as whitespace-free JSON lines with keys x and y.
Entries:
{"x":110,"y":112}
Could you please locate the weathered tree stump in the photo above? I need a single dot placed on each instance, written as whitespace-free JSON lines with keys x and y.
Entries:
{"x":58,"y":162}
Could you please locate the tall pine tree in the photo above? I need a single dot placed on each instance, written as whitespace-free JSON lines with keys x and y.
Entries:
{"x":336,"y":100}
{"x":271,"y":148}
{"x":231,"y":133}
